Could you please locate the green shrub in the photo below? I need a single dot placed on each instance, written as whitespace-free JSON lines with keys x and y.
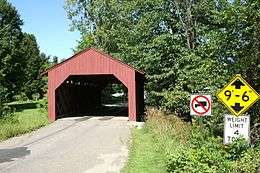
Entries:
{"x":43,"y":104}
{"x":5,"y":110}
{"x":204,"y":153}
{"x":237,"y":149}
{"x":183,"y":147}
{"x":250,"y":162}
{"x":1,"y":108}
{"x":25,"y":120}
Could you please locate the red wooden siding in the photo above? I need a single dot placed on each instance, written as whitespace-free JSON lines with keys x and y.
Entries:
{"x":94,"y":62}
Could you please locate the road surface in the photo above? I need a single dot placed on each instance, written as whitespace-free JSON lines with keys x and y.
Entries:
{"x":73,"y":145}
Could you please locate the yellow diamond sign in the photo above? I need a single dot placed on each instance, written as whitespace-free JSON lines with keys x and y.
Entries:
{"x":238,"y":95}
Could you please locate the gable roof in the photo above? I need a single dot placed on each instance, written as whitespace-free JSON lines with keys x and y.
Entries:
{"x":96,"y":50}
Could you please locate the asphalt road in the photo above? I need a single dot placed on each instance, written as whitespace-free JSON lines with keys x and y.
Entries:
{"x":73,"y":145}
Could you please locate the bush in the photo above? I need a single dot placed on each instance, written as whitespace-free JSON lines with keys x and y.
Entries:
{"x":155,"y":141}
{"x":1,"y":108}
{"x":206,"y":153}
{"x":250,"y":162}
{"x":237,"y":149}
{"x":167,"y":126}
{"x":5,"y":110}
{"x":203,"y":153}
{"x":23,"y":121}
{"x":183,"y":147}
{"x":43,"y":104}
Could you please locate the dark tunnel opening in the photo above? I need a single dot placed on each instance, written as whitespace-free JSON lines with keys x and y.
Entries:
{"x":91,"y":95}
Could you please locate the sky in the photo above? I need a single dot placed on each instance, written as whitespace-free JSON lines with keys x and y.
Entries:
{"x":47,"y":20}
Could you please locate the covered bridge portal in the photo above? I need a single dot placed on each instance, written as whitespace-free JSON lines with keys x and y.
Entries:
{"x":75,"y":85}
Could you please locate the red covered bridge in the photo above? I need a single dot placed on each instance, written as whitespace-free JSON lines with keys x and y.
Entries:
{"x":75,"y":85}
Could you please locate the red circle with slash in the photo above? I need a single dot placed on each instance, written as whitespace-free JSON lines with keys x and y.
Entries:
{"x":205,"y":109}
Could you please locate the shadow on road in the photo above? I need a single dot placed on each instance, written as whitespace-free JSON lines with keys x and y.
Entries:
{"x":22,"y":106}
{"x":7,"y":155}
{"x":99,"y":111}
{"x":83,"y":119}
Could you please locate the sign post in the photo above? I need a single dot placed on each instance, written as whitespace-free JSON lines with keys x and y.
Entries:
{"x":200,"y":105}
{"x":235,"y":127}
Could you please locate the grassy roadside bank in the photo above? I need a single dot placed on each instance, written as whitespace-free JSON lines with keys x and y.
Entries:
{"x":144,"y":154}
{"x":28,"y":116}
{"x":167,"y":144}
{"x":149,"y":148}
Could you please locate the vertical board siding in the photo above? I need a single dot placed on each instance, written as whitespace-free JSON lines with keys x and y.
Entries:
{"x":92,"y":62}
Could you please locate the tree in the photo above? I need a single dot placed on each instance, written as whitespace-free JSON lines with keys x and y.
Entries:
{"x":84,"y":42}
{"x":20,"y":61}
{"x":34,"y":65}
{"x":46,"y":59}
{"x":94,"y":20}
{"x":184,"y":47}
{"x":154,"y":35}
{"x":54,"y":60}
{"x":10,"y":59}
{"x":239,"y":48}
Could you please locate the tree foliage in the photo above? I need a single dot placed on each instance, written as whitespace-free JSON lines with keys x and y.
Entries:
{"x":10,"y":38}
{"x":184,"y":47}
{"x":20,"y":60}
{"x":34,"y":64}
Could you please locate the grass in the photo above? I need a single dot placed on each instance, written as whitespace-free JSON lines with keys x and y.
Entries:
{"x":149,"y":147}
{"x":144,"y":156}
{"x":28,"y":116}
{"x":168,"y":144}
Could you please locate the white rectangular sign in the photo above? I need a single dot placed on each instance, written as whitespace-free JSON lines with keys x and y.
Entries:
{"x":235,"y":127}
{"x":200,"y":105}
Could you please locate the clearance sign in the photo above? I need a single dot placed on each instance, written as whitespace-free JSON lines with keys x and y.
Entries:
{"x":238,"y":96}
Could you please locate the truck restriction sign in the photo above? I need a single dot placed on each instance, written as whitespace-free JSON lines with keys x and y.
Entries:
{"x":200,"y":105}
{"x":235,"y":127}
